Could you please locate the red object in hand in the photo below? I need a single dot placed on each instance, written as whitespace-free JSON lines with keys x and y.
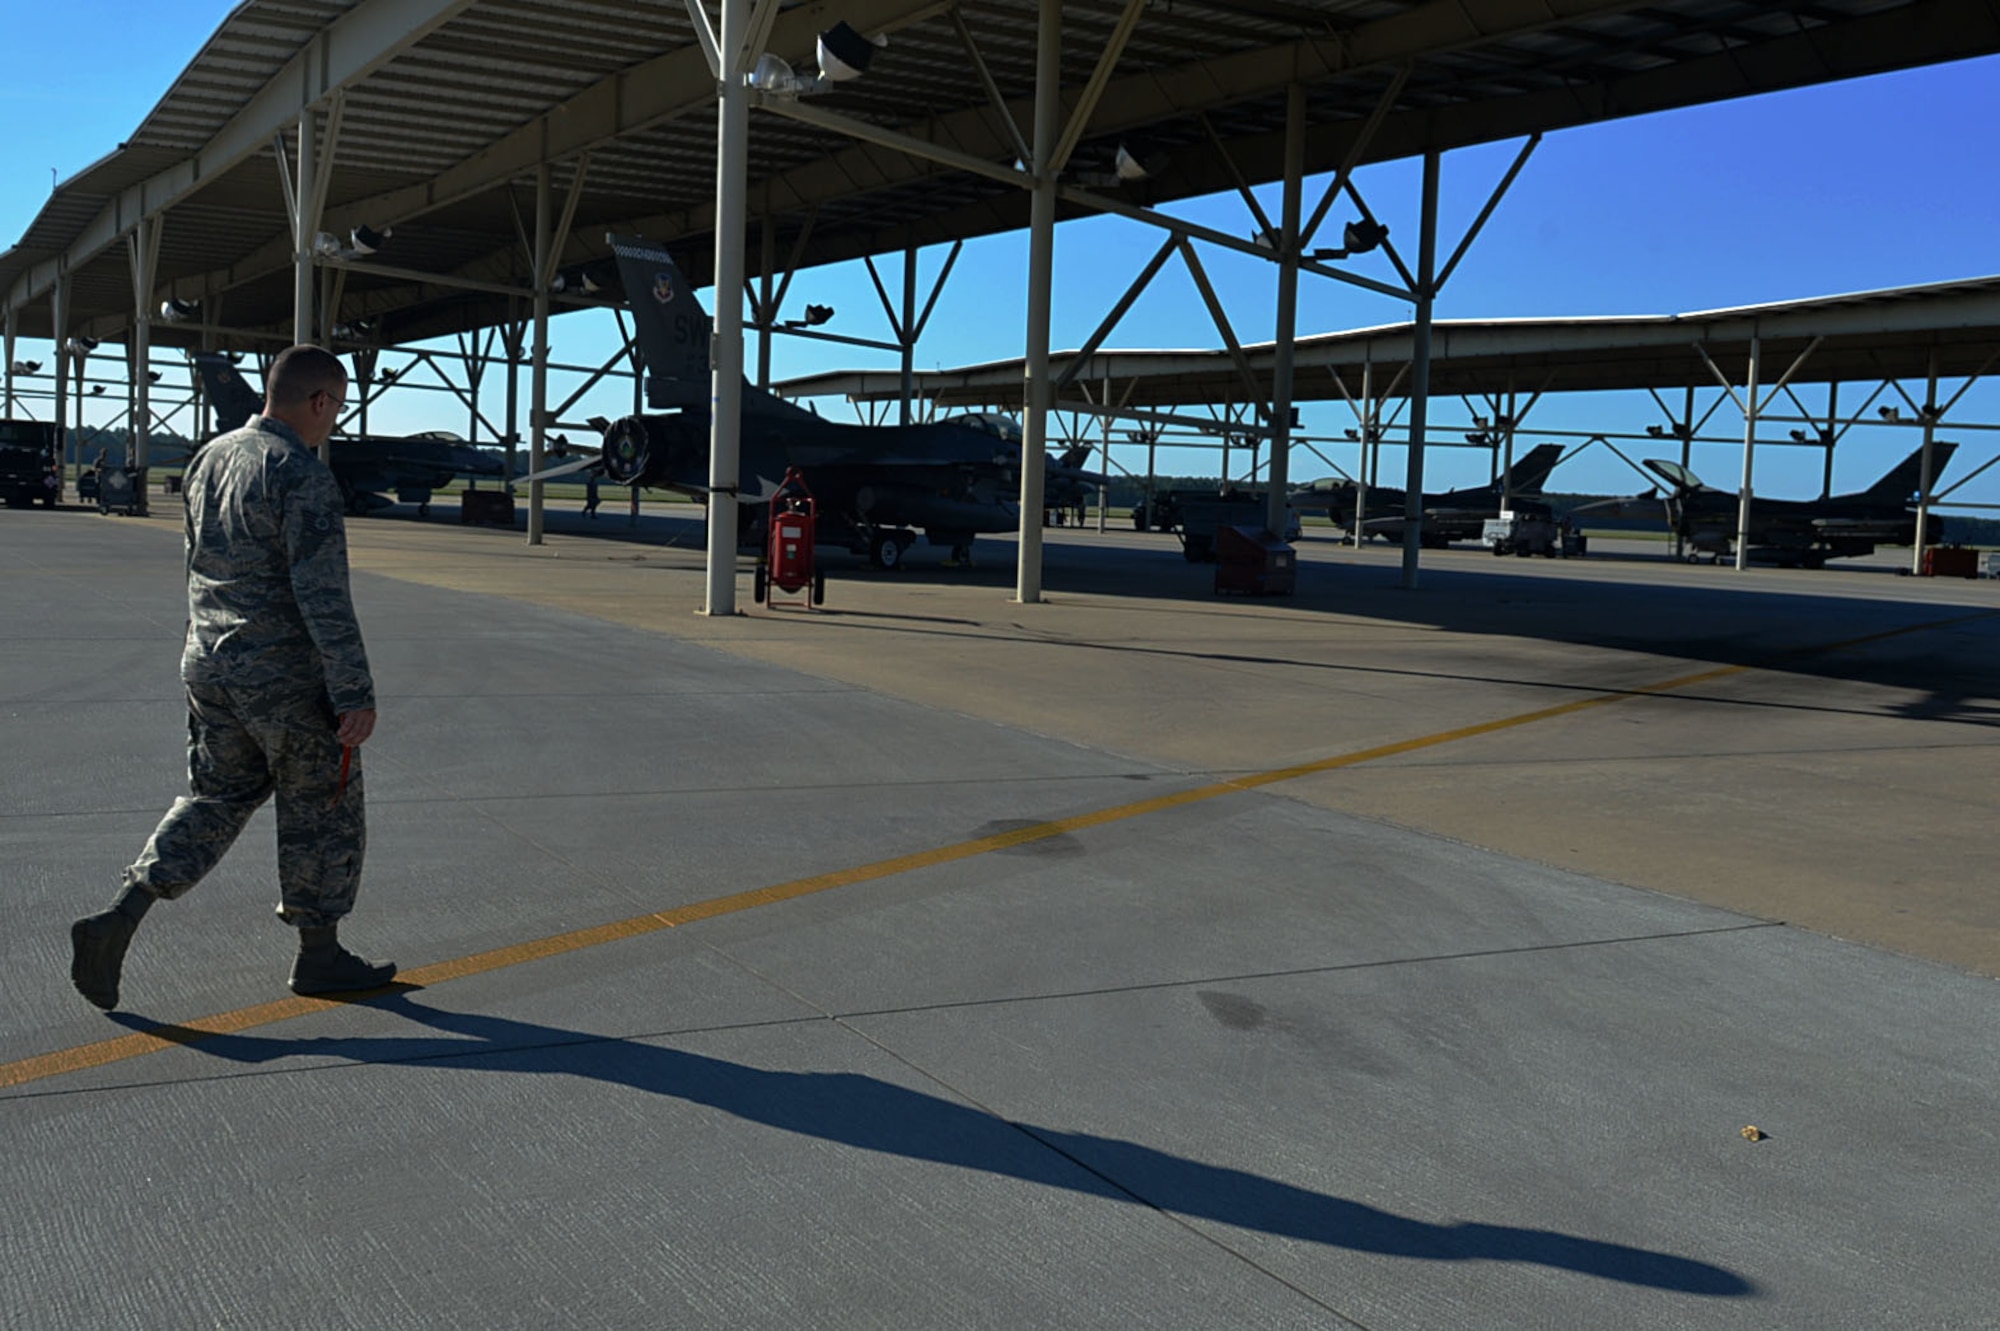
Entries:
{"x":346,"y":761}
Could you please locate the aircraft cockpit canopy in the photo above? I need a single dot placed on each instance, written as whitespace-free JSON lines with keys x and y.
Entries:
{"x":996,"y":423}
{"x":439,"y":436}
{"x":1674,"y":474}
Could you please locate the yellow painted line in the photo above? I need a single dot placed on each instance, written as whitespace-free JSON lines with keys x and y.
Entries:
{"x":123,"y":1047}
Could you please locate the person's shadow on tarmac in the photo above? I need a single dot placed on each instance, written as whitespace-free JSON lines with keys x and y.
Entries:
{"x":875,"y":1115}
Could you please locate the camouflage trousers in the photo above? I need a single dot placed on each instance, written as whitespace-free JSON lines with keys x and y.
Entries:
{"x":244,"y":745}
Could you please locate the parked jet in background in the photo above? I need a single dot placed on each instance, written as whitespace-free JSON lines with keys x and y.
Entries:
{"x":366,"y":467}
{"x":1455,"y":515}
{"x":876,"y":485}
{"x":1796,"y":532}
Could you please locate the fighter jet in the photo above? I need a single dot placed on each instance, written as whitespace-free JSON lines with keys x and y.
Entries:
{"x":876,"y":485}
{"x":1802,"y":533}
{"x":366,"y":467}
{"x":1454,"y":515}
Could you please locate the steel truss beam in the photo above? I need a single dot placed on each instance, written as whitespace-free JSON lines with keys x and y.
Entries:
{"x":627,"y":102}
{"x":345,"y":52}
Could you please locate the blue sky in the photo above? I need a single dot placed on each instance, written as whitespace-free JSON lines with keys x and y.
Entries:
{"x":1877,"y":182}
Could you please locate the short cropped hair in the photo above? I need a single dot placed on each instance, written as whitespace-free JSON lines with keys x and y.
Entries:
{"x":301,"y":371}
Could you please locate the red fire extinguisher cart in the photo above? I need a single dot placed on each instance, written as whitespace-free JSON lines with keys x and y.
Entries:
{"x":789,"y":564}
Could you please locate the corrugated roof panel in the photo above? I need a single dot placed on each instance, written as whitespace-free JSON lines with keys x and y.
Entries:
{"x":497,"y":68}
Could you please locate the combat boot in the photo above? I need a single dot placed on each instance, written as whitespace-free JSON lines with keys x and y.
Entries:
{"x":325,"y":967}
{"x":98,"y":958}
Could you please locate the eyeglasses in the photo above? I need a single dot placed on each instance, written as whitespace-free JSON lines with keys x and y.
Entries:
{"x":338,"y":402}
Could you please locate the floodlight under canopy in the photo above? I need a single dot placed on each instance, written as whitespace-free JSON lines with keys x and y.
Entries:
{"x":844,"y":53}
{"x":773,"y":74}
{"x":1135,"y":162}
{"x":1362,"y":235}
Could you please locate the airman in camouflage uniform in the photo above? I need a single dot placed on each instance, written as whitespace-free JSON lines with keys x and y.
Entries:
{"x":279,"y":694}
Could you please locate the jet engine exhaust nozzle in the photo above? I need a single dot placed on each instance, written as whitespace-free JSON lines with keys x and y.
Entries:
{"x":626,"y":449}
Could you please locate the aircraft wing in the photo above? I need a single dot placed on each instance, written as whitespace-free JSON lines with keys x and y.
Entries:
{"x":1863,"y":526}
{"x":569,"y":468}
{"x":1077,"y":476}
{"x":1629,"y":506}
{"x":1388,"y":522}
{"x":912,"y":461}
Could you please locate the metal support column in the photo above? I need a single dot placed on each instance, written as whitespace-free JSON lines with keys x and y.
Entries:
{"x":1924,"y":472}
{"x":82,"y":355}
{"x":513,"y":333}
{"x":538,"y":374}
{"x":1368,"y":441}
{"x":1827,"y":437}
{"x":131,"y":415}
{"x":1749,"y":461}
{"x":906,"y":332}
{"x":7,"y":363}
{"x":732,"y":153}
{"x":211,"y":304}
{"x":365,"y":359}
{"x":59,"y":340}
{"x":1041,"y":270}
{"x":1686,"y":432}
{"x":143,"y":248}
{"x":305,"y":224}
{"x":1288,"y":309}
{"x":1104,"y":442}
{"x":1420,"y":373}
{"x":767,"y":308}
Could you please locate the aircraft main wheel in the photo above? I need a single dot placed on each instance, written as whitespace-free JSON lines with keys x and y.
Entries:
{"x":885,"y":552}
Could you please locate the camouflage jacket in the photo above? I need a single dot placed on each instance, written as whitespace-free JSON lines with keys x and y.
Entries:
{"x":268,"y":601}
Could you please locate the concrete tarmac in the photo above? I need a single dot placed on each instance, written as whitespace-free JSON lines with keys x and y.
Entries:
{"x":1142,"y":958}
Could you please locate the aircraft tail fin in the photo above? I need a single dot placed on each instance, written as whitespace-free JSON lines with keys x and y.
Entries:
{"x":1076,"y":456}
{"x":673,"y":329}
{"x":1531,"y":470}
{"x":229,"y":393}
{"x":1902,"y":481}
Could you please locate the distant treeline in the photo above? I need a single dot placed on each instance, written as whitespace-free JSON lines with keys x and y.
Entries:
{"x":83,"y":446}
